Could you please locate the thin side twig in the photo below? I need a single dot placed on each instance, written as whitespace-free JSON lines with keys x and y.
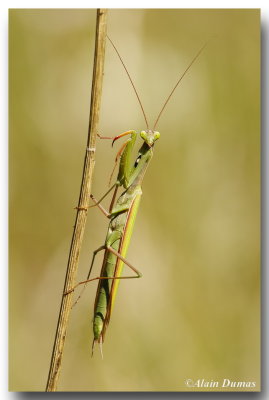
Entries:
{"x":84,"y":198}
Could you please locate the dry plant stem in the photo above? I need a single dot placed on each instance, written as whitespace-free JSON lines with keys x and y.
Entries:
{"x":83,"y":204}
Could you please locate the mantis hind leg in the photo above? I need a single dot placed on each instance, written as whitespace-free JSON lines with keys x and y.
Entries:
{"x":88,"y":276}
{"x":118,"y":255}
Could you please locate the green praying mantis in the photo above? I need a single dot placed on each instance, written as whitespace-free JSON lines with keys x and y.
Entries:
{"x":122,"y":214}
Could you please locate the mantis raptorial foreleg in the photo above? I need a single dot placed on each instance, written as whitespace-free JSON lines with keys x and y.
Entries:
{"x":119,"y":153}
{"x":118,"y":183}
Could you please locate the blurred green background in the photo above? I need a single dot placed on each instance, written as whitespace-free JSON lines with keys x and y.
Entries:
{"x":196,"y":312}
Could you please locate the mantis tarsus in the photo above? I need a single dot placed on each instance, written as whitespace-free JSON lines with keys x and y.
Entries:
{"x":122,"y":213}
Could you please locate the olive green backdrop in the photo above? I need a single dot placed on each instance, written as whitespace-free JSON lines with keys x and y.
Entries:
{"x":195,"y":313}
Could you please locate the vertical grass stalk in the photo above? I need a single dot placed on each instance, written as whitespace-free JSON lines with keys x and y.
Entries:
{"x":84,"y":197}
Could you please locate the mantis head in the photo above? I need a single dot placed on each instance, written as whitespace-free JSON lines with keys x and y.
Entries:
{"x":150,"y":137}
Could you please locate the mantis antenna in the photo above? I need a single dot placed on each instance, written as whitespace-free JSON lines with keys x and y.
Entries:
{"x":124,"y":66}
{"x":176,"y":85}
{"x":172,"y":91}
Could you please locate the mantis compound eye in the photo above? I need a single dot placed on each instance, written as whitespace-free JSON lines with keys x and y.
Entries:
{"x":143,"y":135}
{"x":156,"y":135}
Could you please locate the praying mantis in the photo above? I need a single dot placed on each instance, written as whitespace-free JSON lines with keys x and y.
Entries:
{"x":122,"y":214}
